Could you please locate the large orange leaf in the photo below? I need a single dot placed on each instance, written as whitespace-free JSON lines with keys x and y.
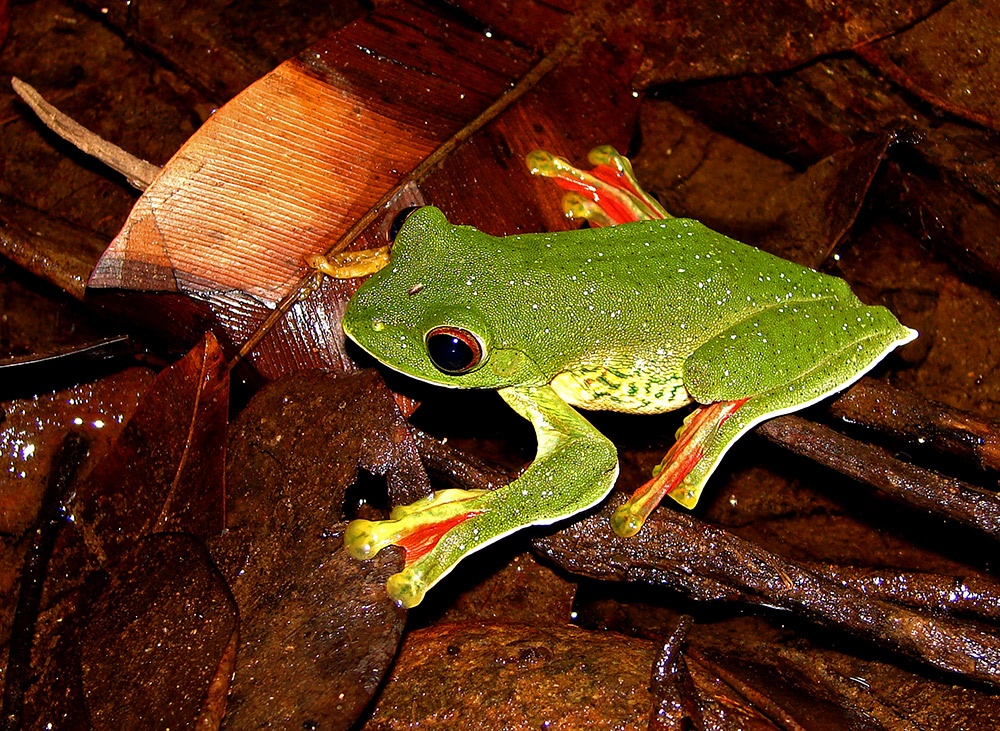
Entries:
{"x":309,"y":158}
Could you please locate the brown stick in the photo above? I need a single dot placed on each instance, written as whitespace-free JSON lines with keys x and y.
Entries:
{"x":139,"y":173}
{"x":875,"y":466}
{"x":708,"y":563}
{"x":920,"y":421}
{"x":970,"y":596}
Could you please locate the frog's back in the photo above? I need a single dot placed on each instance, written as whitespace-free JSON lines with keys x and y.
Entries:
{"x":651,"y":284}
{"x":678,"y":257}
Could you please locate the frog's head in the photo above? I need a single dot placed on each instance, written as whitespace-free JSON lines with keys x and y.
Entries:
{"x":435,"y":312}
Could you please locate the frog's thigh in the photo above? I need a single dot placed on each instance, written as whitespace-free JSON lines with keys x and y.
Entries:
{"x":781,"y":361}
{"x":796,"y":352}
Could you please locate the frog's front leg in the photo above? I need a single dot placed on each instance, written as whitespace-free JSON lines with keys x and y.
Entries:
{"x":575,"y":468}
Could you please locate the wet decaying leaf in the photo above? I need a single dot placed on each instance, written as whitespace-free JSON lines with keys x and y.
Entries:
{"x":308,"y":160}
{"x":820,"y":687}
{"x":317,"y":629}
{"x":30,"y":437}
{"x":670,"y":684}
{"x":162,"y":473}
{"x":40,"y":243}
{"x":152,"y":638}
{"x":940,"y":182}
{"x":40,"y":543}
{"x":948,"y":60}
{"x":721,"y":703}
{"x":33,"y":428}
{"x":153,"y":634}
{"x":165,"y":472}
{"x":159,"y":635}
{"x":801,"y":217}
{"x":823,"y":203}
{"x":689,"y":40}
{"x":232,"y":48}
{"x":697,"y":41}
{"x":508,"y":676}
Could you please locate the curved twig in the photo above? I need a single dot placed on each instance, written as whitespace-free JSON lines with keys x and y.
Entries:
{"x":139,"y":173}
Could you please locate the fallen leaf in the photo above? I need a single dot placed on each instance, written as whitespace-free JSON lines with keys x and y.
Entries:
{"x":807,"y":220}
{"x":940,"y":180}
{"x":948,"y":59}
{"x":158,"y":637}
{"x":742,"y":193}
{"x":54,"y":250}
{"x":306,"y":161}
{"x":220,"y":47}
{"x":33,"y":428}
{"x":317,"y":629}
{"x":693,"y":40}
{"x":165,"y":471}
{"x":302,"y":162}
{"x":513,"y":677}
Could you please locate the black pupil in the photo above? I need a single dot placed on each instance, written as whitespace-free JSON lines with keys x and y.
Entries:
{"x":449,"y":353}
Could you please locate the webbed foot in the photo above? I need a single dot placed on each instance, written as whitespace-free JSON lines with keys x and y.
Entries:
{"x":683,"y":472}
{"x":417,"y":528}
{"x":606,"y":195}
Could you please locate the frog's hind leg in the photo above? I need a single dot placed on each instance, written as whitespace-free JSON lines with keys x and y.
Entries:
{"x":778,"y":361}
{"x":575,"y":468}
{"x":698,"y":434}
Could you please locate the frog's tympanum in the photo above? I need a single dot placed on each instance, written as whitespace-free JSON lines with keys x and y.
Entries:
{"x":640,"y":318}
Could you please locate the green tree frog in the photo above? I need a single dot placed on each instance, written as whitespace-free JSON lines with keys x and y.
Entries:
{"x":641,"y":318}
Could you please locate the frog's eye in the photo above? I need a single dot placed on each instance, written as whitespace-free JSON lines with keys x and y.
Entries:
{"x":454,"y":350}
{"x":398,"y":221}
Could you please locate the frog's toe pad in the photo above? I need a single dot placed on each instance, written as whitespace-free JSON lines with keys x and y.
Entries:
{"x":362,"y":539}
{"x":406,"y":589}
{"x":626,"y":521}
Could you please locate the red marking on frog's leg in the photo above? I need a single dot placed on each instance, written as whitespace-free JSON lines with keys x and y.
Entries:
{"x":616,"y":179}
{"x":684,"y":455}
{"x":688,"y":451}
{"x":608,"y":199}
{"x":422,"y":539}
{"x":615,"y":210}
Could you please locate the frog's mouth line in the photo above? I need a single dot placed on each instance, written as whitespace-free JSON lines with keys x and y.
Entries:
{"x":408,"y":374}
